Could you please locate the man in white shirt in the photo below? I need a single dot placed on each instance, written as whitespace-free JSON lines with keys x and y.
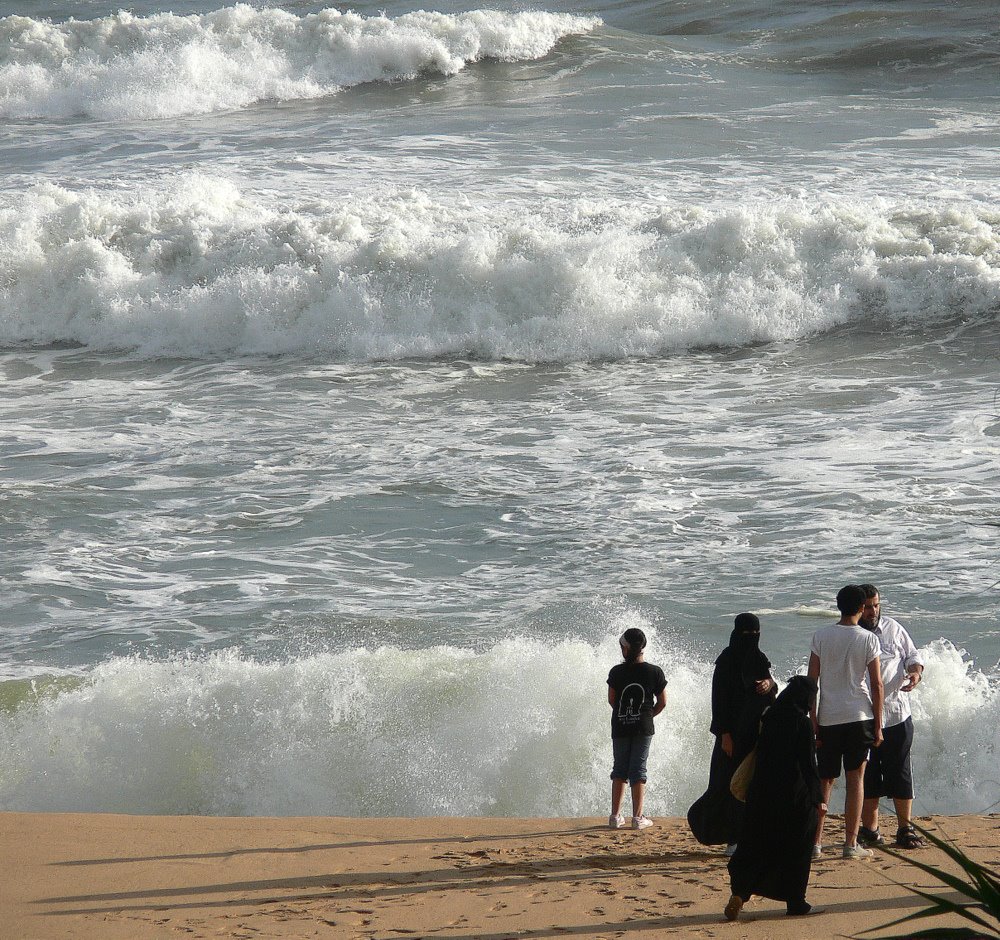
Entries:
{"x":849,"y":720}
{"x":888,"y":772}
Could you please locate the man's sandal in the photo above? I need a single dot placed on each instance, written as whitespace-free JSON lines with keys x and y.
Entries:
{"x":871,"y":838}
{"x":908,"y":838}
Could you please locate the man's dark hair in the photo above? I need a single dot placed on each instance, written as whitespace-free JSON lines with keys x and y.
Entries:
{"x":850,"y":599}
{"x":870,"y":590}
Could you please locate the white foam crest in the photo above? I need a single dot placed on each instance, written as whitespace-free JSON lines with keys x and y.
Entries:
{"x":165,"y":65}
{"x":956,"y":711}
{"x":436,"y":731}
{"x":203,"y":270}
{"x":519,"y":729}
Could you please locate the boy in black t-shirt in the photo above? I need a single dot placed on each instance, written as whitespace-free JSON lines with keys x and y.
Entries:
{"x":635,"y":693}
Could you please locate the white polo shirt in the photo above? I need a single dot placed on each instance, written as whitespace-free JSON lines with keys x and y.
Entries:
{"x":898,"y":654}
{"x":844,"y":654}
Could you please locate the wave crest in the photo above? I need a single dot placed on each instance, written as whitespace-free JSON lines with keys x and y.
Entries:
{"x":205,"y":271}
{"x":127,"y":67}
{"x":230,"y":735}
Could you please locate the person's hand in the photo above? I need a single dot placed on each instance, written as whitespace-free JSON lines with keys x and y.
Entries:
{"x":823,"y":809}
{"x":878,"y":738}
{"x":912,"y":679}
{"x":764,"y":686}
{"x":727,"y":743}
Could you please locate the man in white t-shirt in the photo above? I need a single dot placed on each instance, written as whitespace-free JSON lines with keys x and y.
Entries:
{"x":849,"y":721}
{"x":888,"y":772}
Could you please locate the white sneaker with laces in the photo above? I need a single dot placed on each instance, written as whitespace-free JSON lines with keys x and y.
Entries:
{"x":817,"y":851}
{"x":641,"y":822}
{"x":616,"y":822}
{"x":730,"y":850}
{"x":857,"y":851}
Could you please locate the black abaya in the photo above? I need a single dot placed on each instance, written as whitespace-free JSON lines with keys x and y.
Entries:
{"x":715,"y":818}
{"x":774,"y":854}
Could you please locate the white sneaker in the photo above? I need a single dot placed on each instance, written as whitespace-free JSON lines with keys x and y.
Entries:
{"x":857,"y":851}
{"x":641,"y":822}
{"x":817,"y":851}
{"x":616,"y":822}
{"x":730,"y":850}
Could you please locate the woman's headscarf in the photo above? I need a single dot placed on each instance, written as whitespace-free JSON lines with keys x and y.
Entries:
{"x":799,"y":693}
{"x":744,"y":646}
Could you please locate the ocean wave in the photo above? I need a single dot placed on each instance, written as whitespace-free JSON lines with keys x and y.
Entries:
{"x":913,"y":36}
{"x":368,"y":732}
{"x":204,"y":271}
{"x":128,"y":67}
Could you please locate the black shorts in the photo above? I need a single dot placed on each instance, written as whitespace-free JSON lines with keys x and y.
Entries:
{"x":849,"y":743}
{"x":888,"y":771}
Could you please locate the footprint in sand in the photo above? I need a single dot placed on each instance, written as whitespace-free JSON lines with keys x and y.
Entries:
{"x":356,"y":918}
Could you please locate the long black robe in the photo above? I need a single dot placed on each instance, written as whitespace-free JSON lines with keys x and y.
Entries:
{"x":774,"y":854}
{"x":716,"y":817}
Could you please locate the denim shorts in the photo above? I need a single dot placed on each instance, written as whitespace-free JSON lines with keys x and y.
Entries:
{"x":630,"y":758}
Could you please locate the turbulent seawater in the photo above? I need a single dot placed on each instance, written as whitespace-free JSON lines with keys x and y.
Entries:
{"x":367,"y":370}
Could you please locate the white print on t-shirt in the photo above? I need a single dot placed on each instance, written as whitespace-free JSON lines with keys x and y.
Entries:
{"x":632,"y":699}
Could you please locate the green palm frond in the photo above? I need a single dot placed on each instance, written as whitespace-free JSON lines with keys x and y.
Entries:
{"x":981,"y":887}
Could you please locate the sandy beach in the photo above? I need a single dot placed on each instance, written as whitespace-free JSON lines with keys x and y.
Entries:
{"x":109,"y":876}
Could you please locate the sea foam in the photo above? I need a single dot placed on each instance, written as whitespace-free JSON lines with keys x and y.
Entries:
{"x":128,"y":67}
{"x":200,"y":269}
{"x":518,"y":729}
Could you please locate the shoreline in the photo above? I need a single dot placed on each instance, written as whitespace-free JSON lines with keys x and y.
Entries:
{"x":115,"y":876}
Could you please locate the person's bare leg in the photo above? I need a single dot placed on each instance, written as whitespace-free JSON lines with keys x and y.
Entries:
{"x":869,"y":813}
{"x":852,"y":804}
{"x":638,"y":795}
{"x":904,"y":812}
{"x":617,"y":795}
{"x":827,"y":788}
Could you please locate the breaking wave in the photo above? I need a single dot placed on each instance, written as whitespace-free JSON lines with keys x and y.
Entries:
{"x":204,"y":271}
{"x":128,"y":67}
{"x":366,"y":732}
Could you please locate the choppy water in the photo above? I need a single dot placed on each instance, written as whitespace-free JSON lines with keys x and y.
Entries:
{"x":367,"y":370}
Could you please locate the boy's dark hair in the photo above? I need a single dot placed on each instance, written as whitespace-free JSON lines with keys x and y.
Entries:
{"x":870,"y":590}
{"x":634,"y":641}
{"x":850,"y":599}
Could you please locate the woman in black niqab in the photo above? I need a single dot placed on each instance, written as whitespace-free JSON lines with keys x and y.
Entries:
{"x":742,"y":687}
{"x":774,"y":854}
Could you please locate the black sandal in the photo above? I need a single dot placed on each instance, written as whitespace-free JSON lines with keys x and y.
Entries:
{"x":908,"y":838}
{"x":871,"y":838}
